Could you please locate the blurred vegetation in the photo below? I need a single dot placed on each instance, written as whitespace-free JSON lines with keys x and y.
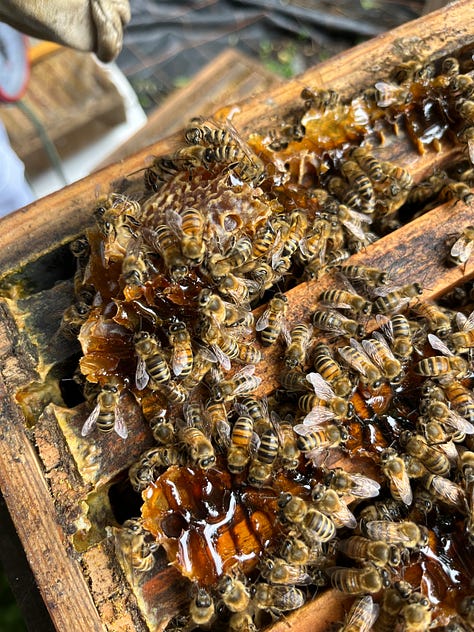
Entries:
{"x":10,"y":617}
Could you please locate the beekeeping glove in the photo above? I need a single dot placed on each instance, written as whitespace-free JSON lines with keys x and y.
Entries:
{"x":87,"y":25}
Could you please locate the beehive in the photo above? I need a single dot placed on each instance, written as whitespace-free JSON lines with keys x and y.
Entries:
{"x":65,"y":503}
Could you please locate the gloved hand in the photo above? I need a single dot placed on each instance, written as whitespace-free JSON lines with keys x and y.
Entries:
{"x":87,"y":25}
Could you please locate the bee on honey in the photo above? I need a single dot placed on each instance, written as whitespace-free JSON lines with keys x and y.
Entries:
{"x":73,"y":318}
{"x":354,"y":355}
{"x":182,"y":352}
{"x":163,"y":431}
{"x":393,"y":467}
{"x":321,"y":100}
{"x":297,"y":345}
{"x":445,"y":365}
{"x":146,"y":470}
{"x":312,"y":439}
{"x":376,"y":552}
{"x":188,"y":224}
{"x":445,"y":491}
{"x":239,"y":452}
{"x":330,"y":370}
{"x":288,"y":452}
{"x":317,"y":527}
{"x":358,"y":581}
{"x":234,"y":593}
{"x":165,"y":242}
{"x":416,"y":614}
{"x":351,"y":483}
{"x":198,"y":447}
{"x":398,"y":331}
{"x":463,"y":339}
{"x":134,"y":265}
{"x":390,"y":301}
{"x":361,"y":616}
{"x":431,"y":457}
{"x":278,"y":571}
{"x":277,"y":599}
{"x":117,"y":220}
{"x":333,"y":322}
{"x":368,"y":162}
{"x":293,"y":509}
{"x":113,"y":406}
{"x":202,"y":608}
{"x":261,"y":466}
{"x":342,"y":299}
{"x":272,"y":321}
{"x":135,"y":547}
{"x":151,"y":361}
{"x":244,"y":382}
{"x":362,"y":184}
{"x":462,"y":248}
{"x":324,"y":405}
{"x":406,"y":533}
{"x":330,"y":503}
{"x":388,"y":94}
{"x":378,"y":350}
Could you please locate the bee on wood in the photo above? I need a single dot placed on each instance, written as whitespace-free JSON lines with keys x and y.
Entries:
{"x":358,"y":581}
{"x":113,"y":407}
{"x":272,"y":321}
{"x":462,"y":248}
{"x":445,"y":365}
{"x":277,"y":599}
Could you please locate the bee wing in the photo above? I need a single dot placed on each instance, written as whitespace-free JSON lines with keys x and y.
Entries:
{"x":246,"y":371}
{"x":387,"y":93}
{"x":120,"y":426}
{"x":354,"y":228}
{"x":362,"y":615}
{"x":403,"y":487}
{"x":318,"y":415}
{"x":345,"y":515}
{"x":320,"y":386}
{"x":141,"y":376}
{"x":222,"y":358}
{"x":439,"y":345}
{"x":263,"y":320}
{"x":364,"y":487}
{"x":91,"y":420}
{"x":304,"y":429}
{"x":458,"y":422}
{"x":467,"y":324}
{"x":449,"y":490}
{"x":174,"y":221}
{"x":385,"y":324}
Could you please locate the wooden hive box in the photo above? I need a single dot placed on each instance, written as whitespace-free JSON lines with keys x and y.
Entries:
{"x":60,"y":502}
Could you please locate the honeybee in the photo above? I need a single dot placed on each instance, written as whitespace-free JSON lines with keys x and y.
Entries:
{"x":278,"y":571}
{"x":200,"y":133}
{"x":324,"y":405}
{"x":213,"y":307}
{"x":297,"y":345}
{"x":391,"y":301}
{"x":463,"y":340}
{"x":272,"y":320}
{"x":113,"y":407}
{"x":330,"y":503}
{"x":292,"y":236}
{"x":361,"y":616}
{"x":462,"y":248}
{"x":439,"y":411}
{"x":293,"y":509}
{"x":277,"y":599}
{"x":331,"y":371}
{"x":379,"y":352}
{"x":432,"y":458}
{"x":258,"y":410}
{"x":351,"y":483}
{"x":238,"y":454}
{"x":354,"y":355}
{"x":151,"y":361}
{"x":261,"y":466}
{"x":242,"y":622}
{"x":165,"y":242}
{"x":117,"y":220}
{"x":388,"y":94}
{"x":322,"y":100}
{"x":317,"y":527}
{"x":198,"y":447}
{"x":163,"y":431}
{"x":132,"y":538}
{"x":393,"y":599}
{"x":441,"y":366}
{"x":238,"y":254}
{"x":182,"y":351}
{"x":459,"y":396}
{"x":237,"y":288}
{"x":406,"y":533}
{"x":294,"y":380}
{"x":311,"y":439}
{"x":377,"y":552}
{"x":313,"y":246}
{"x":358,"y":179}
{"x":416,"y":614}
{"x":233,"y":593}
{"x":201,"y":608}
{"x":446,"y":491}
{"x":203,"y":360}
{"x":288,"y":453}
{"x":146,"y":470}
{"x":73,"y":318}
{"x":367,"y":162}
{"x":398,"y":331}
{"x":189,"y":224}
{"x":342,"y":299}
{"x":244,"y":382}
{"x":371,"y":276}
{"x":436,"y":319}
{"x":457,"y":190}
{"x":161,"y":169}
{"x":393,"y":467}
{"x":333,"y":322}
{"x":357,"y":581}
{"x":176,"y":393}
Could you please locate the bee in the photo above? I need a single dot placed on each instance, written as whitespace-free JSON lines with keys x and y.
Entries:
{"x":176,"y":393}
{"x":182,"y":351}
{"x":378,"y":350}
{"x":261,"y":466}
{"x":399,"y":178}
{"x":432,"y":458}
{"x":146,"y":470}
{"x":354,"y":355}
{"x":198,"y":447}
{"x":330,"y":503}
{"x":393,"y":467}
{"x":249,"y":354}
{"x":317,"y":527}
{"x":241,"y":622}
{"x":399,"y":334}
{"x":463,"y":340}
{"x":238,"y":454}
{"x":459,"y":396}
{"x":117,"y":220}
{"x":298,"y":343}
{"x":391,"y":301}
{"x":351,"y":483}
{"x":371,"y":276}
{"x":293,"y":509}
{"x":234,"y":594}
{"x":441,"y":366}
{"x":73,"y":318}
{"x":133,"y":541}
{"x":203,"y":361}
{"x":445,"y":490}
{"x":163,"y":431}
{"x":310,"y":439}
{"x":221,"y":312}
{"x":151,"y":361}
{"x":376,"y":552}
{"x":201,"y":608}
{"x":437,"y":320}
{"x":165,"y":242}
{"x":388,"y":94}
{"x":324,"y":405}
{"x":278,"y":571}
{"x":393,"y":599}
{"x":258,"y":411}
{"x":111,"y":411}
{"x":188,"y":224}
{"x":462,"y":248}
{"x":244,"y":382}
{"x":357,"y":581}
{"x":367,"y":162}
{"x":161,"y":169}
{"x":439,"y":411}
{"x":330,"y":370}
{"x":220,"y":266}
{"x":406,"y":533}
{"x":361,"y":616}
{"x":237,"y":288}
{"x":265,"y":277}
{"x":294,"y":380}
{"x":288,"y":453}
{"x":457,"y":190}
{"x":416,"y":614}
{"x":272,"y":320}
{"x":342,"y":299}
{"x":322,"y":100}
{"x":333,"y":322}
{"x":358,"y":179}
{"x":198,"y":133}
{"x":277,"y":599}
{"x":314,"y":245}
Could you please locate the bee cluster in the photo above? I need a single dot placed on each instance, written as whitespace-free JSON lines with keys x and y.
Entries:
{"x":251,"y":492}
